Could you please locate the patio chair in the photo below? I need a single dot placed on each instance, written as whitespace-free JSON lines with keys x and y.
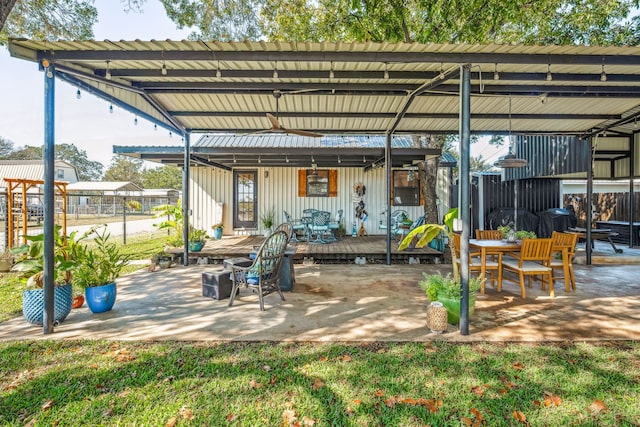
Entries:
{"x":493,"y":264}
{"x":287,"y":228}
{"x":488,"y":235}
{"x":262,"y":275}
{"x":532,"y":260}
{"x":564,"y":246}
{"x":334,"y":225}
{"x":319,"y":225}
{"x":297,"y":225}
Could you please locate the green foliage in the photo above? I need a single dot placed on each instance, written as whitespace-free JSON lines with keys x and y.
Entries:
{"x":197,"y":235}
{"x":11,"y":287}
{"x":172,"y":215}
{"x":6,"y":148}
{"x":100,"y":263}
{"x":134,"y":205}
{"x":162,"y":177}
{"x":123,"y":168}
{"x":437,"y":285}
{"x":217,"y":226}
{"x":66,"y":254}
{"x":133,"y":383}
{"x":523,"y":234}
{"x":268,"y":217}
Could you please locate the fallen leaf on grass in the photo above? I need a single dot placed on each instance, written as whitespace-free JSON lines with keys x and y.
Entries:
{"x":230,"y":417}
{"x":551,"y":399}
{"x":318,"y":383}
{"x":306,"y":421}
{"x":478,"y":390}
{"x":378,"y":393}
{"x":255,"y":384}
{"x":324,"y":359}
{"x":357,"y":401}
{"x":186,"y":413}
{"x":519,"y":416}
{"x":47,"y":405}
{"x":172,"y":422}
{"x":518,"y":365}
{"x":345,"y":358}
{"x":266,"y":368}
{"x":597,"y":406}
{"x":289,"y":417}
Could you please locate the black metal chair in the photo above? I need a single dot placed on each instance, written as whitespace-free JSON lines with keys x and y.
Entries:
{"x":262,"y":275}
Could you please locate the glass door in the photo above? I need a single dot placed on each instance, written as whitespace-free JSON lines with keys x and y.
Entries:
{"x":245,"y":199}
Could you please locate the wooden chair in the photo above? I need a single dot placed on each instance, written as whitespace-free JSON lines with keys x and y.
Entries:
{"x":488,"y":235}
{"x":532,"y":260}
{"x":493,"y":264}
{"x":262,"y":275}
{"x":564,"y":246}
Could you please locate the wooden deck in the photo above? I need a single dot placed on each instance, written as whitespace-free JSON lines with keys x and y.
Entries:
{"x":345,"y":250}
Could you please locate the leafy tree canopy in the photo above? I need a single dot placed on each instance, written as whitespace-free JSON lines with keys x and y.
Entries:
{"x":124,"y":168}
{"x":88,"y":170}
{"x":162,"y":177}
{"x":6,"y":147}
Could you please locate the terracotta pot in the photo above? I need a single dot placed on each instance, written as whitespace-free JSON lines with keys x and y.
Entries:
{"x":78,"y":301}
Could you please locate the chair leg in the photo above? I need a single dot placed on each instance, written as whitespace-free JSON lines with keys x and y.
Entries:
{"x":522,"y":291}
{"x":234,"y":291}
{"x":552,"y":292}
{"x":572,"y":278}
{"x":260,"y":297}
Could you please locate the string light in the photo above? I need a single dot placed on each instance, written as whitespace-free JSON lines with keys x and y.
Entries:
{"x":441,"y":75}
{"x":111,"y":108}
{"x":218,"y":72}
{"x":603,"y":75}
{"x":107,"y":74}
{"x":164,"y":69}
{"x":78,"y":94}
{"x":339,"y":160}
{"x":386,"y":71}
{"x":275,"y":70}
{"x":331,"y":74}
{"x":135,"y":121}
{"x":286,"y":158}
{"x":549,"y":75}
{"x":155,"y":127}
{"x":496,"y":75}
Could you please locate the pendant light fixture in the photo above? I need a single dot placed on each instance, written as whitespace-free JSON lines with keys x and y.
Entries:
{"x":510,"y":160}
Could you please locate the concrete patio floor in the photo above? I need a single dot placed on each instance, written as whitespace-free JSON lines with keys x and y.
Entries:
{"x":352,"y":303}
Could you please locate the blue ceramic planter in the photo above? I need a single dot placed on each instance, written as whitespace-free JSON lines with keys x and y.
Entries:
{"x":195,"y":246}
{"x":33,"y":304}
{"x":101,"y":298}
{"x":217,"y":233}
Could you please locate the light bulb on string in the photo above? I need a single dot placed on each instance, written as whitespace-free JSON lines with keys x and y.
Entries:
{"x":107,"y":74}
{"x":78,"y":94}
{"x":135,"y":121}
{"x":111,"y":108}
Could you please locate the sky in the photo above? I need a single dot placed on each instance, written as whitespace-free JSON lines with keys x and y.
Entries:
{"x":86,"y":122}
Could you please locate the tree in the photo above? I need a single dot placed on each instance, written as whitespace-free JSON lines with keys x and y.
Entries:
{"x":162,"y":177}
{"x":88,"y":170}
{"x":124,"y":168}
{"x":6,"y":147}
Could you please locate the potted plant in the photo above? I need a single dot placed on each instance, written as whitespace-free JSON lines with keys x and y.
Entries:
{"x":98,"y":267}
{"x":217,"y":231}
{"x":6,"y":261}
{"x":30,"y":265}
{"x":162,"y":260}
{"x":450,"y":284}
{"x":197,"y":238}
{"x":267,"y":219}
{"x":447,"y":290}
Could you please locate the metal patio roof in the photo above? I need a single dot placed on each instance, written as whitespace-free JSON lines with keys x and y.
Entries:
{"x":360,"y":88}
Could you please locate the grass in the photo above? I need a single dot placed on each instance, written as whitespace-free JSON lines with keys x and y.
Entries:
{"x":271,"y":384}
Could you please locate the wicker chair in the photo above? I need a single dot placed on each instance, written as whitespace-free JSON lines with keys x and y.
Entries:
{"x":262,"y":275}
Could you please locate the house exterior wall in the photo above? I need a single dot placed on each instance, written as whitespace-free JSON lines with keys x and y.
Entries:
{"x":278,"y":189}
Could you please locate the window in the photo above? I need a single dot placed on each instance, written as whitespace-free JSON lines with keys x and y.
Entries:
{"x":317,"y":183}
{"x":406,"y":188}
{"x":59,"y":173}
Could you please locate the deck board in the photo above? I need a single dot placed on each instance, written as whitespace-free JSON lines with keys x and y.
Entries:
{"x":345,"y":250}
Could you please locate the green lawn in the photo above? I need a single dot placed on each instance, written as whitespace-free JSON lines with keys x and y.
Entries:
{"x":274,"y":384}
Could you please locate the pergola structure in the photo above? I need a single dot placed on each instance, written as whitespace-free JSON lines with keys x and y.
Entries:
{"x":21,"y":187}
{"x":199,"y":86}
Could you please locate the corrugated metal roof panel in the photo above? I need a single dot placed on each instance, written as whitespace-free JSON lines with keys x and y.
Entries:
{"x":295,"y":141}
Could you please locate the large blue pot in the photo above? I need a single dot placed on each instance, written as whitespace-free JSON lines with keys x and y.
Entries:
{"x":195,"y":246}
{"x":101,"y":298}
{"x":33,"y":304}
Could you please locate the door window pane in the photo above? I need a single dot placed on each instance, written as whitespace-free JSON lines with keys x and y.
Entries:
{"x":406,"y":188}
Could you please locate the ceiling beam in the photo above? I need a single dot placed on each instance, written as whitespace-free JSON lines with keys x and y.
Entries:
{"x":118,"y":54}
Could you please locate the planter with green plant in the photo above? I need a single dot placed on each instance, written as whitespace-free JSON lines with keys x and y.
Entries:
{"x":197,"y":239}
{"x":29,"y":265}
{"x":267,"y":218}
{"x":217,"y":231}
{"x":510,"y":234}
{"x":446,"y":289}
{"x":98,"y":268}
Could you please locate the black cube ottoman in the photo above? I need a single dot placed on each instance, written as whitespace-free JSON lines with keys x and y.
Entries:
{"x":217,"y":284}
{"x":240,"y":262}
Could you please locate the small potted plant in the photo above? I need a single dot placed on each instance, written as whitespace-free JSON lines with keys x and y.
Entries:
{"x":6,"y":261}
{"x":447,"y":290}
{"x":267,"y":219}
{"x":197,"y":238}
{"x":98,"y":268}
{"x":217,"y":231}
{"x":162,"y":260}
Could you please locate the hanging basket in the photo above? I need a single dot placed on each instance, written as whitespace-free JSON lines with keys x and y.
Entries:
{"x":33,"y":304}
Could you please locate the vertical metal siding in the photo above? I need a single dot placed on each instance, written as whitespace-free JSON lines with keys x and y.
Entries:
{"x":278,"y":189}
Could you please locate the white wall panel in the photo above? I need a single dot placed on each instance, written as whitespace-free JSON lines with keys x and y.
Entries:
{"x":278,"y":188}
